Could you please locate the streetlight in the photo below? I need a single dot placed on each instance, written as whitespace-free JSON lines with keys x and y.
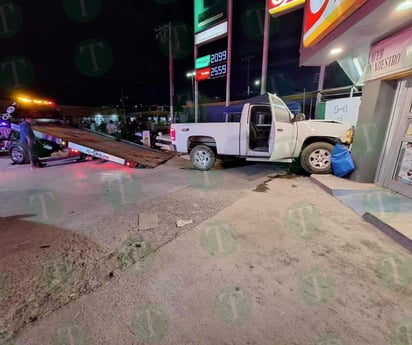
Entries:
{"x":257,"y":83}
{"x":192,"y":76}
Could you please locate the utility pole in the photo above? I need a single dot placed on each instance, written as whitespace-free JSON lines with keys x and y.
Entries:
{"x":164,"y":33}
{"x":122,"y":98}
{"x":263,"y":81}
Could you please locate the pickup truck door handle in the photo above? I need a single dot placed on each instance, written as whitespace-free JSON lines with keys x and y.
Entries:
{"x":279,"y":129}
{"x":185,"y":129}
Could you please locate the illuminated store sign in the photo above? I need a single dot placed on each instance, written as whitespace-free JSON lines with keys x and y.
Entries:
{"x":322,"y":16}
{"x":278,"y":7}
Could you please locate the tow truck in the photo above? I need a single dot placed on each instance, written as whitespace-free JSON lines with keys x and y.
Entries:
{"x":57,"y":140}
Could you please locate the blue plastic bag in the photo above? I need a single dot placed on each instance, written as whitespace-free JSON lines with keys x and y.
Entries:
{"x":342,"y":162}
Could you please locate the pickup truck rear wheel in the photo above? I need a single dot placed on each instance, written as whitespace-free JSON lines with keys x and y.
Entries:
{"x":202,"y":157}
{"x":316,"y":158}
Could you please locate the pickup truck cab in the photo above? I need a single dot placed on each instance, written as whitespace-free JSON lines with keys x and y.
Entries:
{"x":266,"y":132}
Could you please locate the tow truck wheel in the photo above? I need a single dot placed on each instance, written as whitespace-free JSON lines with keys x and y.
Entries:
{"x":202,"y":157}
{"x":18,"y":155}
{"x":316,"y":158}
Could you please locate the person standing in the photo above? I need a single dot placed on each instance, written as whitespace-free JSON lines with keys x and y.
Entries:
{"x":28,"y":139}
{"x":111,"y":128}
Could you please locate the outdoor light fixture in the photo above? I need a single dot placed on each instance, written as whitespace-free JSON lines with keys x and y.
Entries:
{"x":336,"y":51}
{"x":404,"y":5}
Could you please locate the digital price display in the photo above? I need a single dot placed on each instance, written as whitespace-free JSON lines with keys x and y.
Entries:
{"x":218,"y":71}
{"x":211,"y":66}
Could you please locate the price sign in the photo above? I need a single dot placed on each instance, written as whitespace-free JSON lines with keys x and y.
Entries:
{"x":211,"y":66}
{"x":218,"y":71}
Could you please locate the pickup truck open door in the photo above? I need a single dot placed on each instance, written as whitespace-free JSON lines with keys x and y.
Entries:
{"x":282,"y":138}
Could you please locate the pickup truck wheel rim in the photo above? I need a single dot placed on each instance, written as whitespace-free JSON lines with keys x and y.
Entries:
{"x":202,"y":158}
{"x":320,"y":158}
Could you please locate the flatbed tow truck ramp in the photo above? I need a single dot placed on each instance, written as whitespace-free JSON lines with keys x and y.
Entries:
{"x":104,"y":147}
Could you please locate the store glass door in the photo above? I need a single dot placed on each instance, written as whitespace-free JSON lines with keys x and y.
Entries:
{"x":401,"y":177}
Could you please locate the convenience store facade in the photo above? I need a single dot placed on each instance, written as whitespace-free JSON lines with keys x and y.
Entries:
{"x":372,"y":42}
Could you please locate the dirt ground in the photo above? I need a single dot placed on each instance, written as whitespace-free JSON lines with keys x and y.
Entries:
{"x":44,"y":267}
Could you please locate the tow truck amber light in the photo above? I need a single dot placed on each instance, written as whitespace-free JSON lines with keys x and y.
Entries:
{"x":172,"y":134}
{"x":35,"y":101}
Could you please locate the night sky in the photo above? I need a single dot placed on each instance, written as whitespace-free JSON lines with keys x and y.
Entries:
{"x":48,"y":41}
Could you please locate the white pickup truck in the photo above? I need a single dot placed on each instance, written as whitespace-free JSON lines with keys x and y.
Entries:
{"x":263,"y":132}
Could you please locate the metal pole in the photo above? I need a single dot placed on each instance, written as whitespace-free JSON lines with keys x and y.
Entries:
{"x":196,"y":90}
{"x":248,"y":76}
{"x":229,"y":48}
{"x":321,"y":77}
{"x":265,"y":52}
{"x":171,"y":91}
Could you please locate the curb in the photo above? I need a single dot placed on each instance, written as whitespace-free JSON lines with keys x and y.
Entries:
{"x":375,"y":221}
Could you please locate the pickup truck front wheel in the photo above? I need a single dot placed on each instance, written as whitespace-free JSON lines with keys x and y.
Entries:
{"x":202,"y":157}
{"x":316,"y":158}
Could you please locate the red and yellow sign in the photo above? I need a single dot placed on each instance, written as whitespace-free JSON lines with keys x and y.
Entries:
{"x":322,"y":16}
{"x":278,"y":7}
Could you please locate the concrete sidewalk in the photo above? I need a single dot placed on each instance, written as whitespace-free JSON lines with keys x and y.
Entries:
{"x":387,"y":210}
{"x":290,"y":265}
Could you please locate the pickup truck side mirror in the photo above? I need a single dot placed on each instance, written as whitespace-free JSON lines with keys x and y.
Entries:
{"x":299,"y":117}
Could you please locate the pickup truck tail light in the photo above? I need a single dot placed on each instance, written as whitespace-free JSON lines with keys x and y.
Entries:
{"x":172,"y":134}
